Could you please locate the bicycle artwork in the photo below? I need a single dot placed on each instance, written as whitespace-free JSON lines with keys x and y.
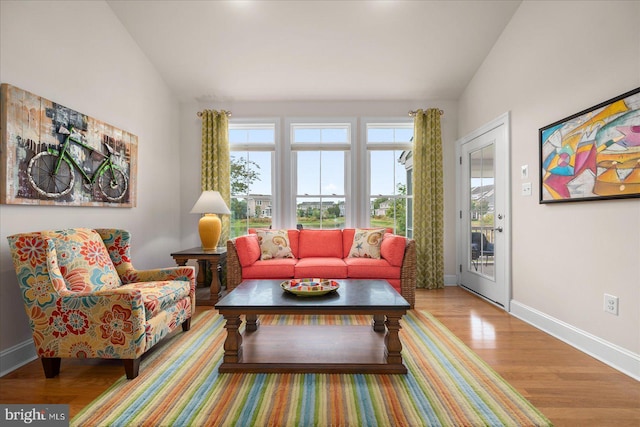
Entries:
{"x":53,"y":155}
{"x":52,"y":174}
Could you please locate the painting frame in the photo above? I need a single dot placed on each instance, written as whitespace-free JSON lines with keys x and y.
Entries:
{"x":53,"y":155}
{"x":593,"y":154}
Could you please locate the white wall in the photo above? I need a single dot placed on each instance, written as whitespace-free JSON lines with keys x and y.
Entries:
{"x":190,"y":145}
{"x":78,"y":54}
{"x":555,"y":59}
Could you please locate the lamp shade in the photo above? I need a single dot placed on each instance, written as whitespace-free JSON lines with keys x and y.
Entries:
{"x":210,"y":203}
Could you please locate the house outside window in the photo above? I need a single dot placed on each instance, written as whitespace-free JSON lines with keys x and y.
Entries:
{"x":390,"y":163}
{"x":320,"y":153}
{"x":252,"y":148}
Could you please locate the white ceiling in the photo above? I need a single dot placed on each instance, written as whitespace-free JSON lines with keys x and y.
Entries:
{"x":212,"y":51}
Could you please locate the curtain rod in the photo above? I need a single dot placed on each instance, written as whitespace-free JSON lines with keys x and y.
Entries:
{"x":412,"y":113}
{"x":228,"y":113}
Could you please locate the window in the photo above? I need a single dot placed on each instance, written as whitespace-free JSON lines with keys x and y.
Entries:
{"x":320,"y":173}
{"x":320,"y":153}
{"x":252,"y":148}
{"x":390,"y":162}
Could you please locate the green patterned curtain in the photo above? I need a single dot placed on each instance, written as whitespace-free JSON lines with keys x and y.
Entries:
{"x":215,"y":159}
{"x":428,"y":207}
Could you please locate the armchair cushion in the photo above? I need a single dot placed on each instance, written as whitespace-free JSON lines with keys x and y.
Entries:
{"x":83,"y":260}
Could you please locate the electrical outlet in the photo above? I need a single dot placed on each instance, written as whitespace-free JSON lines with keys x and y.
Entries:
{"x":526,"y":188}
{"x":611,"y":304}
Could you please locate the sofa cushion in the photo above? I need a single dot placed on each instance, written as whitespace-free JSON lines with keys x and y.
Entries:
{"x":294,"y":241}
{"x":320,"y":243}
{"x":367,"y":268}
{"x":392,"y":248}
{"x":281,"y":268}
{"x":248,"y":249}
{"x":321,"y":267}
{"x":274,"y":244}
{"x":83,"y":259}
{"x":366,"y":243}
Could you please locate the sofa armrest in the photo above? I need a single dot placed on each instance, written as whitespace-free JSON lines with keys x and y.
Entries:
{"x":408,"y":273}
{"x":234,"y":269}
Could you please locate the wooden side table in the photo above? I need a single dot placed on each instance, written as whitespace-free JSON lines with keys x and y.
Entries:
{"x":202,"y":256}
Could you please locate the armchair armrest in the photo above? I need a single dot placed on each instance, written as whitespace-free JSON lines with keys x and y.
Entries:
{"x":186,"y":273}
{"x":115,"y":317}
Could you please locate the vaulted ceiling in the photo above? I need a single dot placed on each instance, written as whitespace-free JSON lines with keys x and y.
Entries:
{"x":212,"y":51}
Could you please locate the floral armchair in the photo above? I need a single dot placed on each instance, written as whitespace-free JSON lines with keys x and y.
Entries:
{"x":84,"y":299}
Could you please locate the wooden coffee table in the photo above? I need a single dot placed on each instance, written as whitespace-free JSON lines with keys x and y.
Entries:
{"x":314,"y":348}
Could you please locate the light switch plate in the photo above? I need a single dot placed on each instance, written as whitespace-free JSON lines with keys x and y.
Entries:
{"x":524,"y":171}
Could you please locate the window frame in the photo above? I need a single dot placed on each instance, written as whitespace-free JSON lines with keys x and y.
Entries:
{"x":368,"y":147}
{"x":357,"y":169}
{"x":259,"y":123}
{"x":351,"y":124}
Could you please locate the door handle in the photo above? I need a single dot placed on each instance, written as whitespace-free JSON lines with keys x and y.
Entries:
{"x":499,"y":229}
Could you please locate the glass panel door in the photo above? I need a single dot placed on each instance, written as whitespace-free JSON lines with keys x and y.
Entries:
{"x":481,"y":211}
{"x":484,"y":227}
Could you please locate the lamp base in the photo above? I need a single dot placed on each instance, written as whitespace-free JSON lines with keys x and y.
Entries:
{"x":209,"y":228}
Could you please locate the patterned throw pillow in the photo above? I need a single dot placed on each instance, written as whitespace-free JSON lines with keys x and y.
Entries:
{"x":274,"y":244}
{"x":84,"y":260}
{"x":366,"y":243}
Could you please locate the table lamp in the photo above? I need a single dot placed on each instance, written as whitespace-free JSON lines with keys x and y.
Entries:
{"x":210,"y":203}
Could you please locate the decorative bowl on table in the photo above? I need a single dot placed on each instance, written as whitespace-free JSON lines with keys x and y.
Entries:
{"x":309,"y":287}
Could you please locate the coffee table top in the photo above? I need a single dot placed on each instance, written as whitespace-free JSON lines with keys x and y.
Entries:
{"x":353,"y":294}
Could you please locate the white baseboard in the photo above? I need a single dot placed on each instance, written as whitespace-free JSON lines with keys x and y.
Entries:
{"x":16,"y":356}
{"x":450,"y":280}
{"x":617,"y":357}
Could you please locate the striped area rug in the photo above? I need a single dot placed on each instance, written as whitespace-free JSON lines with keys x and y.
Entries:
{"x":447,"y":385}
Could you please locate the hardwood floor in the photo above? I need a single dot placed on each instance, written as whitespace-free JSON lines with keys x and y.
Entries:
{"x":568,"y":386}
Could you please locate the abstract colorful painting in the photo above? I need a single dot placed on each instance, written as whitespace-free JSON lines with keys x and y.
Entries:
{"x":53,"y":155}
{"x":594,"y":154}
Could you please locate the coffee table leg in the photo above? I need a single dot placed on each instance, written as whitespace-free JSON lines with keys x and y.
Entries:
{"x":378,"y":322}
{"x":252,"y":323}
{"x":233,"y":343}
{"x":392,"y":344}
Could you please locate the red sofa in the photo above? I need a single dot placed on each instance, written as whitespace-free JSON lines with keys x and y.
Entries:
{"x":325,"y":254}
